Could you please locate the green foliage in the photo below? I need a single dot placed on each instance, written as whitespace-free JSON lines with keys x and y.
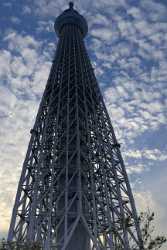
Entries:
{"x":19,"y":246}
{"x":146,"y":219}
{"x":150,"y":241}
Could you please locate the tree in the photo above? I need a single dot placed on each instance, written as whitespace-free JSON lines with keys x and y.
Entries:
{"x":150,"y":241}
{"x":146,"y":219}
{"x":19,"y":246}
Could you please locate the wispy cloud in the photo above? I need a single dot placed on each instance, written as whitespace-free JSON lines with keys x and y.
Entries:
{"x":24,"y":71}
{"x":150,"y":154}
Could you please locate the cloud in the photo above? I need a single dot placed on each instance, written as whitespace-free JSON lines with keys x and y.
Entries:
{"x":51,"y":8}
{"x":148,"y":154}
{"x":7,"y":4}
{"x":45,"y":26}
{"x":24,"y":71}
{"x":135,"y":169}
{"x":157,"y":10}
{"x":5,"y":62}
{"x":102,"y":33}
{"x":17,"y":42}
{"x":135,"y":111}
{"x":146,"y":200}
{"x":7,"y":101}
{"x":26,"y":66}
{"x":155,"y":155}
{"x":27,"y":10}
{"x":15,"y":20}
{"x":137,"y":80}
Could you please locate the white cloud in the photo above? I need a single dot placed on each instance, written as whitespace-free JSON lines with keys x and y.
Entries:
{"x":155,"y":155}
{"x":99,"y":19}
{"x":25,"y":66}
{"x":146,"y":200}
{"x":156,"y":11}
{"x":27,"y":9}
{"x":5,"y":60}
{"x":102,"y":33}
{"x":17,"y":42}
{"x":135,"y":12}
{"x":45,"y":26}
{"x":135,"y":169}
{"x":24,"y":71}
{"x":45,"y":8}
{"x":134,"y":154}
{"x":109,"y":5}
{"x":7,"y":101}
{"x":140,"y":110}
{"x":149,"y":154}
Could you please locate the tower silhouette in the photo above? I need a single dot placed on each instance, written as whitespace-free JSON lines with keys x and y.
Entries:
{"x":74,"y":192}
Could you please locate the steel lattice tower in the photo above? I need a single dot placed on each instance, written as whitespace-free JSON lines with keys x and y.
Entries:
{"x":74,"y":192}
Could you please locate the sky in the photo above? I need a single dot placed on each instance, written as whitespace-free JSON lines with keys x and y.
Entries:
{"x":127,"y":44}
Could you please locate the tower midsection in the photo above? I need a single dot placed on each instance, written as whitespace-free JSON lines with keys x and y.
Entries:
{"x":71,"y":141}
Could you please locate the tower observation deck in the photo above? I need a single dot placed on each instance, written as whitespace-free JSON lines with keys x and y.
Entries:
{"x":74,"y":192}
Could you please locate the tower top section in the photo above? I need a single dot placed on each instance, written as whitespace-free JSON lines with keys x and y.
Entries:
{"x":71,"y":16}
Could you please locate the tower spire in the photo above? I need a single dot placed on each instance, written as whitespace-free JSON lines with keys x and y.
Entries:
{"x":71,"y":5}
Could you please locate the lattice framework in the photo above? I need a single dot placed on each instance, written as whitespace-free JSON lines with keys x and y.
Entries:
{"x":74,"y":183}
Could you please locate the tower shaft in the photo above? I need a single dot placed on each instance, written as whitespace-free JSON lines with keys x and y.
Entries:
{"x":74,"y":192}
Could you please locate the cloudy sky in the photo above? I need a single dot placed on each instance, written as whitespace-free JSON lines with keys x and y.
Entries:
{"x":127,"y":43}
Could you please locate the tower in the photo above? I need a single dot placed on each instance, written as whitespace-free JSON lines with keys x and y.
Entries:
{"x":74,"y":191}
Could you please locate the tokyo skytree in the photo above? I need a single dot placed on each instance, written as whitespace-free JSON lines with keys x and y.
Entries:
{"x":74,"y":192}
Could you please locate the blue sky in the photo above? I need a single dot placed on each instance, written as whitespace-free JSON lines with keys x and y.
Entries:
{"x":127,"y":43}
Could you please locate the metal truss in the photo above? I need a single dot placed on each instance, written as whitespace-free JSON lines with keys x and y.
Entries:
{"x":74,"y":191}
